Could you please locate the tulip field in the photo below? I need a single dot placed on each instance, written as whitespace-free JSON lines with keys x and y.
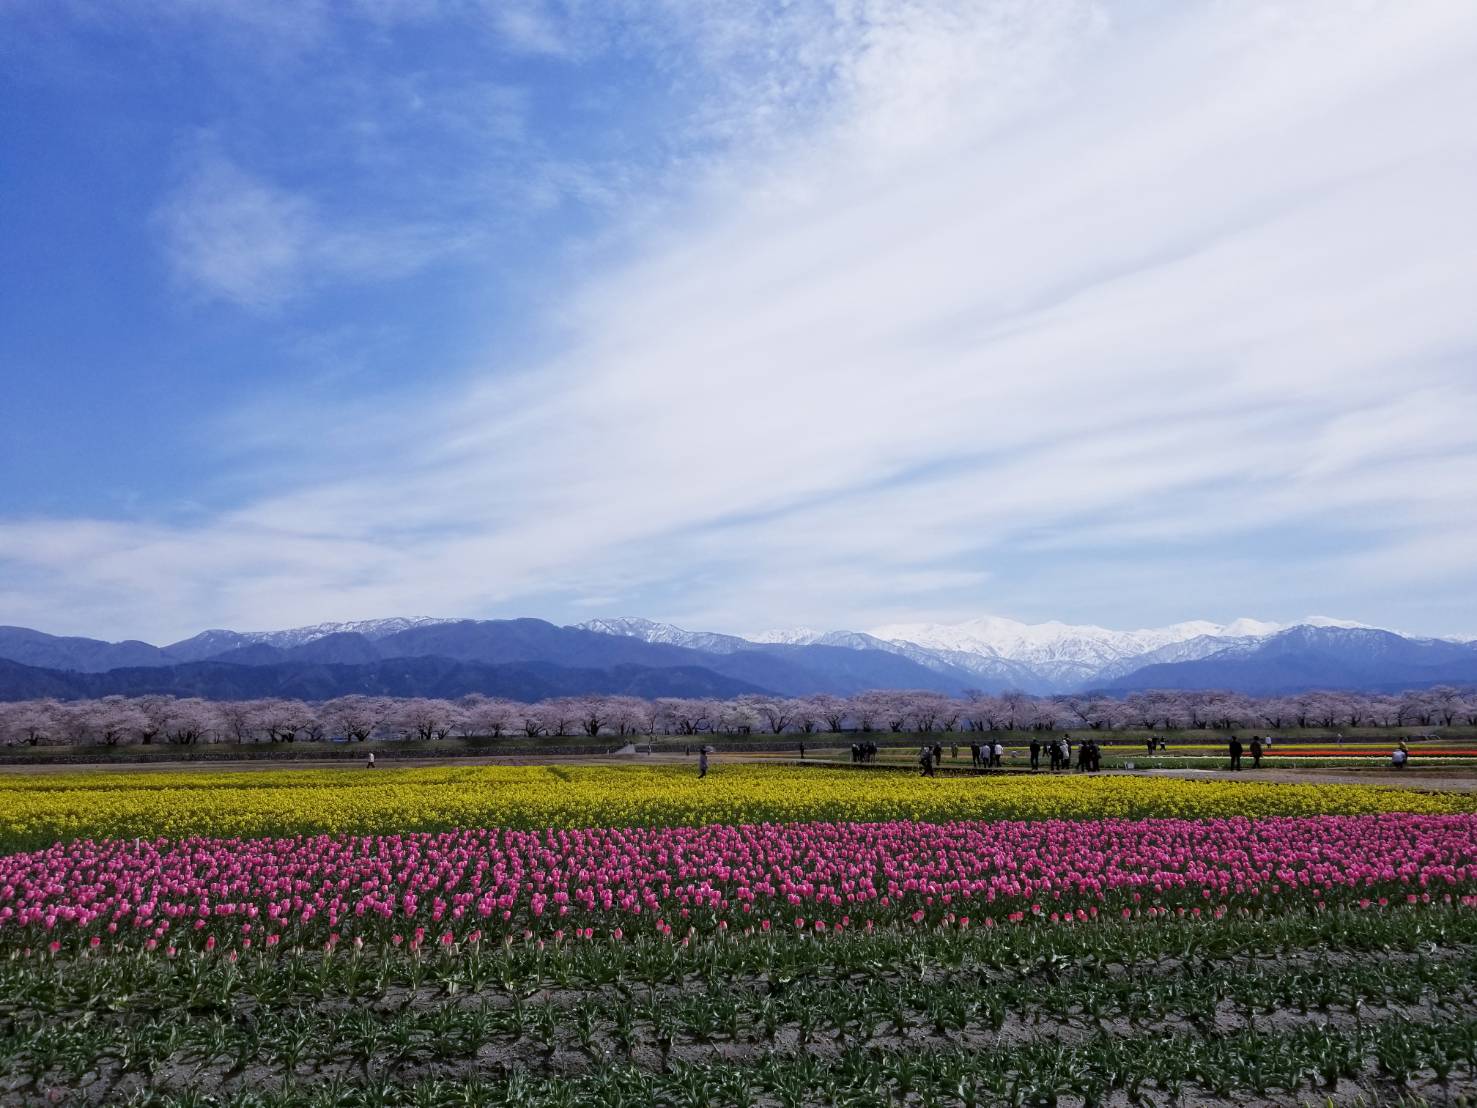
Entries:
{"x":768,"y":936}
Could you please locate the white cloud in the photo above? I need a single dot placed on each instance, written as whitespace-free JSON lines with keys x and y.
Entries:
{"x":234,"y":236}
{"x":1026,"y":285}
{"x":529,"y":27}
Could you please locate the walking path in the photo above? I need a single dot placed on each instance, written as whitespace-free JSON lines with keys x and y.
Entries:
{"x":1461,"y":778}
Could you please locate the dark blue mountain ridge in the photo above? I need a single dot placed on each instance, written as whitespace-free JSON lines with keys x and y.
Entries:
{"x":1300,"y":657}
{"x":788,"y":670}
{"x":1303,"y":658}
{"x":781,"y":669}
{"x":400,"y":677}
{"x":36,"y":648}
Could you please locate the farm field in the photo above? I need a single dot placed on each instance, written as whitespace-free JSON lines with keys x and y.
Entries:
{"x":771,"y":935}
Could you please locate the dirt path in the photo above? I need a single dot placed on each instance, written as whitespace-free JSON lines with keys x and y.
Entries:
{"x":1460,"y":778}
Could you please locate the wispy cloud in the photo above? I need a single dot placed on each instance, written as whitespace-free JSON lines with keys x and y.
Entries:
{"x":235,"y":236}
{"x":529,"y":26}
{"x":1012,"y":306}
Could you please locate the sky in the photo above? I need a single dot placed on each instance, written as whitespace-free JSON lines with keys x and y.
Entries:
{"x":737,"y":315}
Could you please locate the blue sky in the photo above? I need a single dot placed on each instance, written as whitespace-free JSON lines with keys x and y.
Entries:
{"x":734,"y":314}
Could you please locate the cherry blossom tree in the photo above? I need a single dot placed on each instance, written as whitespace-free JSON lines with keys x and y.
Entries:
{"x":117,"y":718}
{"x":29,"y":722}
{"x":488,"y":716}
{"x":425,"y":719}
{"x":356,"y":717}
{"x":625,"y":715}
{"x":280,"y":719}
{"x":560,"y":715}
{"x":739,"y":717}
{"x":190,"y":720}
{"x":238,"y":719}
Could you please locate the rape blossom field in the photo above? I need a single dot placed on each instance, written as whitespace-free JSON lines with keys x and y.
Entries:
{"x":38,"y":810}
{"x":767,"y":936}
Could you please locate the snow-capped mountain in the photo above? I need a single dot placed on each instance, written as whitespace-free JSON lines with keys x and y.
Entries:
{"x":369,"y":628}
{"x":993,"y":651}
{"x":1314,"y":657}
{"x":1054,"y":656}
{"x":792,"y":636}
{"x":634,"y":627}
{"x":644,"y":657}
{"x":1188,"y":650}
{"x":1059,"y":649}
{"x":990,"y":669}
{"x":208,"y":644}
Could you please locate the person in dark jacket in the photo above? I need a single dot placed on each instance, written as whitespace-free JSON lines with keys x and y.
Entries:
{"x":1235,"y":748}
{"x":1035,"y":754}
{"x":1256,"y":752}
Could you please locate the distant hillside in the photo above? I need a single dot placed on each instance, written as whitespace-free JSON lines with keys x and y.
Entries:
{"x":36,"y":648}
{"x":429,"y":676}
{"x":787,"y":670}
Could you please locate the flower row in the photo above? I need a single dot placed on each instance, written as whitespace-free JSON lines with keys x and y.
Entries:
{"x":39,"y":811}
{"x":499,"y":882}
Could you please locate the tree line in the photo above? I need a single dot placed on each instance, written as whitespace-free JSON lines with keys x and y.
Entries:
{"x":119,"y":720}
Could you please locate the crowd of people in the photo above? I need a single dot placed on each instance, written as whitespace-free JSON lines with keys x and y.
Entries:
{"x":991,"y":755}
{"x":1058,"y":751}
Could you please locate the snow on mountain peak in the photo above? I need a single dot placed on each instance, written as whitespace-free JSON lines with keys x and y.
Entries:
{"x":1050,"y":655}
{"x":791,"y":636}
{"x":1330,"y":621}
{"x":649,"y":630}
{"x":1061,"y":646}
{"x":369,"y":628}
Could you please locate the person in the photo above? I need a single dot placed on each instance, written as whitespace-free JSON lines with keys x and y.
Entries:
{"x":925,"y":760}
{"x":1151,"y":746}
{"x":1256,"y":752}
{"x":370,"y":764}
{"x":1235,"y":748}
{"x":938,"y":754}
{"x":802,"y":751}
{"x":954,"y":752}
{"x":1400,"y":756}
{"x":1096,"y":762}
{"x":1035,"y":753}
{"x":997,"y":754}
{"x":974,"y":755}
{"x":702,"y":761}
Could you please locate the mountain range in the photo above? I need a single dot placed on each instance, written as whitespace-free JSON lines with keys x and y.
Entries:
{"x":530,"y":659}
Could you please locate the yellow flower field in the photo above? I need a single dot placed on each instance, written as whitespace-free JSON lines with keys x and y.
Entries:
{"x":36,"y":811}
